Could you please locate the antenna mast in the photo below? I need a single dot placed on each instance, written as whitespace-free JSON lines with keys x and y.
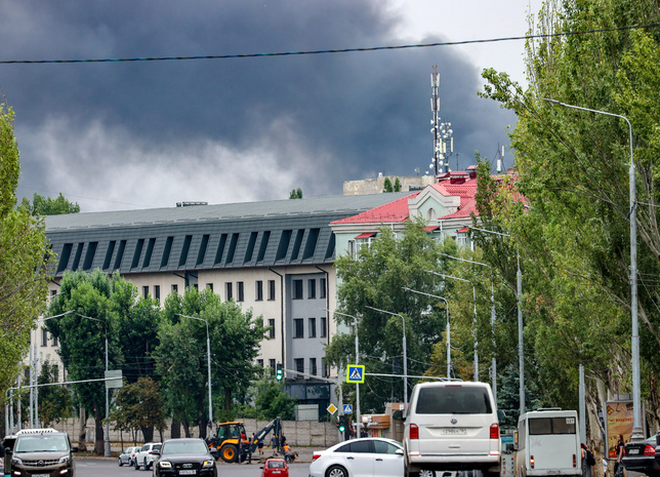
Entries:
{"x":442,"y":133}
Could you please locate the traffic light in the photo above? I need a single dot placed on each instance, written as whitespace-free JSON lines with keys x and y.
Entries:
{"x":342,"y":424}
{"x":280,"y":373}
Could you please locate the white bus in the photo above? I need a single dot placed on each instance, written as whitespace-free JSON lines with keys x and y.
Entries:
{"x":547,"y":443}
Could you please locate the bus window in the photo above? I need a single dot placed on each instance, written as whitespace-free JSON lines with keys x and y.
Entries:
{"x":551,"y":425}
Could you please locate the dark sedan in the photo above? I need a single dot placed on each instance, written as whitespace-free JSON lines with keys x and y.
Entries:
{"x":187,"y":456}
{"x":642,"y":457}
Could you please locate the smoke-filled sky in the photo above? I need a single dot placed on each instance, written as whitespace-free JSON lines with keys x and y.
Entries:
{"x":125,"y":135}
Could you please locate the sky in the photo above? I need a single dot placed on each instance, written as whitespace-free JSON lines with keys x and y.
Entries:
{"x":132,"y":135}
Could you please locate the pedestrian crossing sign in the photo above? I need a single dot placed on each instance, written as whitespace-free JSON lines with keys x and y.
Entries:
{"x":355,"y":373}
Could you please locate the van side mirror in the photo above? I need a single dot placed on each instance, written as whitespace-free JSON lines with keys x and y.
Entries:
{"x":500,"y":415}
{"x":74,"y":449}
{"x":398,"y":416}
{"x":657,"y":439}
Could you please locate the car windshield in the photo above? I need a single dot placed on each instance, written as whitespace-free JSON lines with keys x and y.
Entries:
{"x":453,"y":400}
{"x":184,"y":447}
{"x":41,"y":444}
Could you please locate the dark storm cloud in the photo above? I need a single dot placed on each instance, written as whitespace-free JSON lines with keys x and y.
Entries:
{"x":351,"y":115}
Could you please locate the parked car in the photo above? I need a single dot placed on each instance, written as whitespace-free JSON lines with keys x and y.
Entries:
{"x":365,"y":456}
{"x":185,"y":456}
{"x":126,"y":457}
{"x":275,"y":467}
{"x":145,"y":456}
{"x":643,"y":457}
{"x":452,"y":426}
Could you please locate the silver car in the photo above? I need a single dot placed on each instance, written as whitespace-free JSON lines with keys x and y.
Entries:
{"x":369,"y":456}
{"x":126,"y":457}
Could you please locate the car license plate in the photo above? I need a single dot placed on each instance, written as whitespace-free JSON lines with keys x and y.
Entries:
{"x":188,"y":472}
{"x":454,"y":431}
{"x":633,"y":451}
{"x":40,"y":475}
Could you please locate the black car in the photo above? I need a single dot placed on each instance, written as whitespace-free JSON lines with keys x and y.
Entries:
{"x":188,"y":456}
{"x":643,"y":457}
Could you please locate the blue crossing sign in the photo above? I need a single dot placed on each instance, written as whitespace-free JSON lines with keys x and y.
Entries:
{"x":348,"y":409}
{"x":355,"y":373}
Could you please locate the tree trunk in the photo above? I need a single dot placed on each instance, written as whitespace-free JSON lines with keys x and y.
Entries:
{"x":186,"y":427}
{"x":82,"y":444}
{"x":98,"y":420}
{"x":147,"y":433}
{"x":176,"y":428}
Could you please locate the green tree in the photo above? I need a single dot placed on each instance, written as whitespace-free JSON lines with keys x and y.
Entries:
{"x":271,"y":400}
{"x":46,"y":206}
{"x":55,"y":402}
{"x":235,"y":337}
{"x":24,"y":257}
{"x":85,"y":305}
{"x":139,"y":407}
{"x":376,"y":279}
{"x":296,"y":194}
{"x":397,"y":184}
{"x":572,"y":169}
{"x":387,"y":185}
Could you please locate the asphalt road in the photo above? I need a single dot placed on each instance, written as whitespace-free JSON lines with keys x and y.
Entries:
{"x":91,"y":467}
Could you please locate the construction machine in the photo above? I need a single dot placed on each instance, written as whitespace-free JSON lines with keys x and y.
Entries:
{"x":230,"y":443}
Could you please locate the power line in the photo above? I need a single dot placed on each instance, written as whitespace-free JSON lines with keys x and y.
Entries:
{"x":324,"y":52}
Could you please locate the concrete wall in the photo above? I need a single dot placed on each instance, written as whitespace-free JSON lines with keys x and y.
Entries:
{"x":298,"y":433}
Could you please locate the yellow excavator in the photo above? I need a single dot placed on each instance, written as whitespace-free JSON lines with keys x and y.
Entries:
{"x":230,"y":443}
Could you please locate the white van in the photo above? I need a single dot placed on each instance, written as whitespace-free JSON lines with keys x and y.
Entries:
{"x":452,"y":425}
{"x":547,"y":443}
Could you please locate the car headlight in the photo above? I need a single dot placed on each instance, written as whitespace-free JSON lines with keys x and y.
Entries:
{"x":16,"y":460}
{"x":208,"y":463}
{"x":64,"y":460}
{"x":163,"y":464}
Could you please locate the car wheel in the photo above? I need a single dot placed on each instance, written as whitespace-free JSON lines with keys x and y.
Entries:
{"x":136,"y":466}
{"x":229,"y":453}
{"x":336,"y":471}
{"x":426,"y":473}
{"x":120,"y":462}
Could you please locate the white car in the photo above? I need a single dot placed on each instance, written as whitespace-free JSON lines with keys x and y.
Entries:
{"x":369,"y":456}
{"x":126,"y":457}
{"x":452,"y":426}
{"x":145,"y":456}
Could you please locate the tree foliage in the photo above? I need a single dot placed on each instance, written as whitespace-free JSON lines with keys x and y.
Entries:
{"x":271,"y":400}
{"x":24,"y":258}
{"x":296,"y":194}
{"x":572,"y":233}
{"x":139,"y":407}
{"x":46,"y":206}
{"x":55,"y":402}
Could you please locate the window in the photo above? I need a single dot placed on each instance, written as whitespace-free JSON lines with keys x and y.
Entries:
{"x":229,"y":291}
{"x":157,"y":292}
{"x":324,"y":368}
{"x":311,"y":288}
{"x":322,"y":328}
{"x":55,"y":342}
{"x":175,"y":288}
{"x":271,"y":290}
{"x":260,"y":362}
{"x":145,"y":291}
{"x":259,"y":290}
{"x":44,"y":337}
{"x":300,"y":364}
{"x":297,"y":290}
{"x":322,"y":293}
{"x":552,"y":425}
{"x":298,"y":331}
{"x":271,"y":325}
{"x":312,"y":366}
{"x":312,"y":328}
{"x":241,"y":291}
{"x":271,"y":364}
{"x":209,"y":286}
{"x":56,"y":372}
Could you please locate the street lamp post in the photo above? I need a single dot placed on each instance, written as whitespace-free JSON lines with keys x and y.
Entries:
{"x":357,"y":361}
{"x":405,"y":358}
{"x":493,"y":365}
{"x":521,"y":361}
{"x":448,"y":328}
{"x":637,"y":432}
{"x":208,"y":362}
{"x":474,"y":302}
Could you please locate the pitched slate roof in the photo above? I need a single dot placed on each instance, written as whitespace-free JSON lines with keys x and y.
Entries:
{"x":249,"y":234}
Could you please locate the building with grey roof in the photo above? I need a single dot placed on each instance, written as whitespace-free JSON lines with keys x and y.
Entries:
{"x":274,"y":257}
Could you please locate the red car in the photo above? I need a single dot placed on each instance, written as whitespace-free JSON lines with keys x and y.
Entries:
{"x":275,"y":467}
